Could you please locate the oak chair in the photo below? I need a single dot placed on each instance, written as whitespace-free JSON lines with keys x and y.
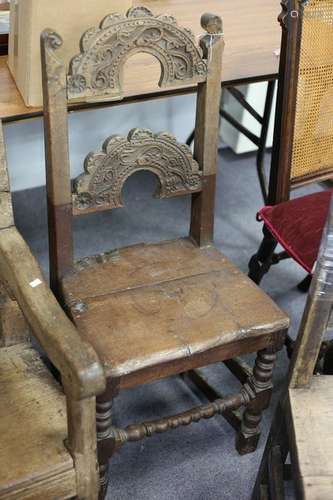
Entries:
{"x":36,"y":414}
{"x":304,"y":419}
{"x":152,"y":310}
{"x":303,"y":140}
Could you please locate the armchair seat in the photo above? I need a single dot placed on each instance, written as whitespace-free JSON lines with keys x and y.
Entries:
{"x":311,"y":414}
{"x":298,"y":225}
{"x":34,"y":462}
{"x":172,"y":303}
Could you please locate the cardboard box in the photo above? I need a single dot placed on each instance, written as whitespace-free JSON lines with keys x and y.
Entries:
{"x":70,"y":18}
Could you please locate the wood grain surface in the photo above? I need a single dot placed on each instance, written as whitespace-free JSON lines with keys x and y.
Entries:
{"x":81,"y":371}
{"x":311,"y":425}
{"x":149,"y":304}
{"x":34,"y":462}
{"x":251,"y":35}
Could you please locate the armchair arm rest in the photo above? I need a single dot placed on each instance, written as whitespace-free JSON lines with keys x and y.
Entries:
{"x":81,"y":370}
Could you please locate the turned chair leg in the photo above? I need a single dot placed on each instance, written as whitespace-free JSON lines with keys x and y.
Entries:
{"x":261,"y":262}
{"x":105,"y":443}
{"x":261,"y":383}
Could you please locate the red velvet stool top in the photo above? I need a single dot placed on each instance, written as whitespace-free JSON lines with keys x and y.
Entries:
{"x":298,"y":225}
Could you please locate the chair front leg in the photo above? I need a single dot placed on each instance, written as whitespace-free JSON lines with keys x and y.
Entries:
{"x":261,"y":262}
{"x":105,"y":442}
{"x":261,"y":385}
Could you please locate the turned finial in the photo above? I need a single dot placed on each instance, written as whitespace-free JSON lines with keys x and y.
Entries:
{"x":51,"y":39}
{"x":211,"y":23}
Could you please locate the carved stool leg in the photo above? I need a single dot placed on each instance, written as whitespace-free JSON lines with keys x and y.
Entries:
{"x":261,"y":384}
{"x":104,"y":426}
{"x":261,"y":262}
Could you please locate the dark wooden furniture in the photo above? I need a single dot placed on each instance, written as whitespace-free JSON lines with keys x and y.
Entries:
{"x":259,"y":140}
{"x":303,"y":138}
{"x":36,"y":414}
{"x":152,"y":310}
{"x":249,"y":56}
{"x":304,"y":418}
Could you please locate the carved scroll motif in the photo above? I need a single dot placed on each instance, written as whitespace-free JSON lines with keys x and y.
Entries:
{"x":97,"y":70}
{"x":100,"y":187}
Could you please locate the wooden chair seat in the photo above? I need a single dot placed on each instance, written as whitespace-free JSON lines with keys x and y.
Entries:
{"x":171,"y":302}
{"x":311,"y":412}
{"x":34,"y":462}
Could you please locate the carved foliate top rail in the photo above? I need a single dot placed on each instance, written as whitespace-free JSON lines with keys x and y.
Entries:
{"x":98,"y":69}
{"x":100,"y":187}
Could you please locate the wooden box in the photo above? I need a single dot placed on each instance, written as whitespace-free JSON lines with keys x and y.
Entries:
{"x":70,"y":18}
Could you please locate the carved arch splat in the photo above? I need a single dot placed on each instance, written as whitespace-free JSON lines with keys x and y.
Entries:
{"x":100,"y":187}
{"x":97,"y":70}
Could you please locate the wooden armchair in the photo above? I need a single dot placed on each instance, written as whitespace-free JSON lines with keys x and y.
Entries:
{"x":304,"y":419}
{"x":34,"y":460}
{"x":152,"y":310}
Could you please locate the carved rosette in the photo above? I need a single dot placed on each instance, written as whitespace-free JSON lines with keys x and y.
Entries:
{"x":100,"y":187}
{"x":97,"y":70}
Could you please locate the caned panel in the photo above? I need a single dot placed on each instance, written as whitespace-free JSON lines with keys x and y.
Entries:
{"x":313,"y":139}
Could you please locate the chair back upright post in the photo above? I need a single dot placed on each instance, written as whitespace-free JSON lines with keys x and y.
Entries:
{"x":316,"y":314}
{"x":207,"y":131}
{"x":58,"y":182}
{"x":279,"y":181}
{"x":96,"y":74}
{"x":303,"y":135}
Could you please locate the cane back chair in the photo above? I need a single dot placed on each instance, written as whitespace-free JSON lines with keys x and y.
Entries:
{"x":152,"y":310}
{"x":36,"y":417}
{"x":303,"y":139}
{"x":303,"y":145}
{"x":304,"y":419}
